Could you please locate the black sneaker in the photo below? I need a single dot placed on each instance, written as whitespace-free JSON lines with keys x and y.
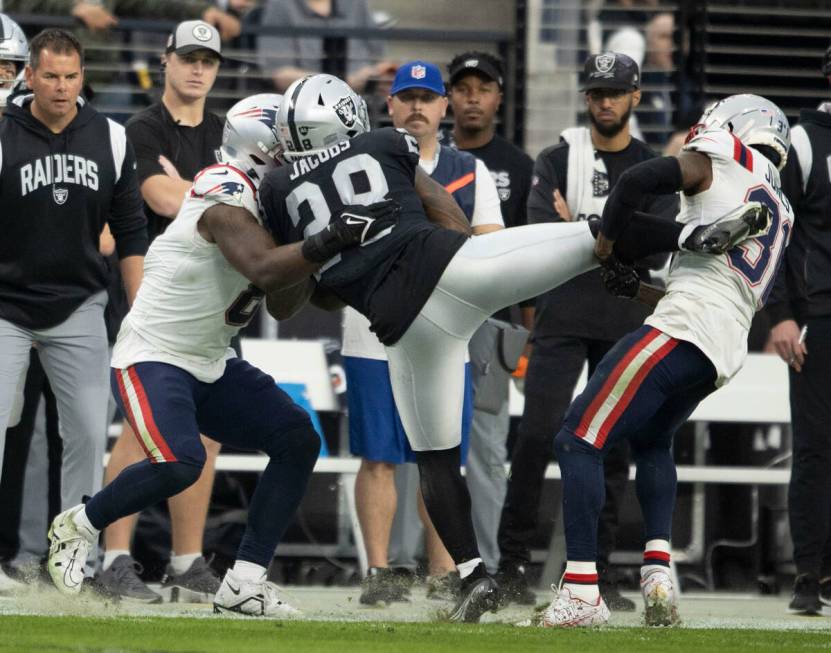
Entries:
{"x":478,"y":595}
{"x":513,"y":586}
{"x":805,"y":598}
{"x":825,"y":596}
{"x":198,"y":584}
{"x":121,"y":581}
{"x":383,"y":585}
{"x":608,"y":583}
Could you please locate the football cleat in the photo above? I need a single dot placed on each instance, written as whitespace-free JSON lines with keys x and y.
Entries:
{"x":68,"y":552}
{"x":476,"y":597}
{"x":660,"y":608}
{"x":9,"y":585}
{"x":747,"y":221}
{"x":197,"y":585}
{"x":252,"y":598}
{"x":568,"y":611}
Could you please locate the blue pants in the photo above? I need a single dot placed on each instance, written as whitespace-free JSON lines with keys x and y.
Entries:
{"x":375,"y":429}
{"x":644,"y":389}
{"x":168,"y":408}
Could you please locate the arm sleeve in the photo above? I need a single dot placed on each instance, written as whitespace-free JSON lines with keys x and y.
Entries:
{"x":145,"y":142}
{"x":540,"y":206}
{"x":778,"y":306}
{"x":666,"y":207}
{"x":127,"y":221}
{"x":487,"y":209}
{"x":658,"y":176}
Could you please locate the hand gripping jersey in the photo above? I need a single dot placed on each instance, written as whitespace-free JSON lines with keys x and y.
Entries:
{"x":389,"y":278}
{"x":711,"y":300}
{"x":192,"y":301}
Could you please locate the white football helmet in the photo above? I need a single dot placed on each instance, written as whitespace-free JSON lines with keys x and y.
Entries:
{"x":753,"y":120}
{"x":14,"y":48}
{"x":250,"y":135}
{"x":318,"y":112}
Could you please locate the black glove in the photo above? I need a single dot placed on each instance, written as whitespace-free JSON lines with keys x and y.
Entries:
{"x":619,"y":279}
{"x":353,"y":225}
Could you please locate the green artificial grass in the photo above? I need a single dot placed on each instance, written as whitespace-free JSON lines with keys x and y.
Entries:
{"x":112,"y":635}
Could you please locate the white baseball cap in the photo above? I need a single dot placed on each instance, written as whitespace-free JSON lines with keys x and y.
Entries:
{"x":192,"y":35}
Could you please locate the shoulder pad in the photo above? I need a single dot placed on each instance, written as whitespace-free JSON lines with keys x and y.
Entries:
{"x":716,"y":143}
{"x":224,"y":184}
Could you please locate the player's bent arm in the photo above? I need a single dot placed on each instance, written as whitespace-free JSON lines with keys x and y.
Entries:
{"x":165,"y":195}
{"x":285,"y":303}
{"x":251,"y":249}
{"x":439,"y":205}
{"x":690,"y":171}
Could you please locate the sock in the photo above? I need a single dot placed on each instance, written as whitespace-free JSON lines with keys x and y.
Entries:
{"x":581,"y":580}
{"x":466,"y":568}
{"x":111,"y":555}
{"x":84,"y":526}
{"x":249,"y":571}
{"x":656,"y":556}
{"x":181,"y":563}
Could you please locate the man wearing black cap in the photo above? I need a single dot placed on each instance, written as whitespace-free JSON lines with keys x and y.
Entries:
{"x":800,"y":312}
{"x":174,"y":139}
{"x":475,"y":94}
{"x":572,"y":181}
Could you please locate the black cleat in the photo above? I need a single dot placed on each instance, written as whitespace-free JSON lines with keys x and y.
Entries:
{"x":747,"y":221}
{"x":805,"y":599}
{"x":477,"y":597}
{"x":514,"y":586}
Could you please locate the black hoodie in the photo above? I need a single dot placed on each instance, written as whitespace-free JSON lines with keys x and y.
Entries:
{"x":803,"y":284}
{"x":56,"y":193}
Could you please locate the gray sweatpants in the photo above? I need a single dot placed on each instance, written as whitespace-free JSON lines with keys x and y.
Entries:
{"x":489,"y":272}
{"x":75,"y":357}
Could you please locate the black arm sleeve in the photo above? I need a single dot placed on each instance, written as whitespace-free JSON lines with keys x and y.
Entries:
{"x":127,"y":221}
{"x":647,"y":235}
{"x":657,"y":176}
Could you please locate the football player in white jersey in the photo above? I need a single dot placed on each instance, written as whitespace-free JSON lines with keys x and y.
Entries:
{"x":174,"y":375}
{"x":694,"y":341}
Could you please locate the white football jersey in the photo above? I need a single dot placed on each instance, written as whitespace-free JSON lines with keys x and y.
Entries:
{"x":192,"y":301}
{"x":711,"y":300}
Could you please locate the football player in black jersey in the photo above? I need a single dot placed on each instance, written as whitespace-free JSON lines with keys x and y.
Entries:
{"x":425,"y":286}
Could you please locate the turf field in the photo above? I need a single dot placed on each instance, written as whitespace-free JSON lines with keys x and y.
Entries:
{"x":334,"y":621}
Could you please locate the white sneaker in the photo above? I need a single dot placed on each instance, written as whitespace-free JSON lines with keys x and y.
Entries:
{"x":68,"y":551}
{"x":567,"y":611}
{"x":9,"y":585}
{"x":258,"y":599}
{"x":660,"y":604}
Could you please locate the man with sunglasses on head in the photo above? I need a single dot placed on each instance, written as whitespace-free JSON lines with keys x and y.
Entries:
{"x":572,"y":181}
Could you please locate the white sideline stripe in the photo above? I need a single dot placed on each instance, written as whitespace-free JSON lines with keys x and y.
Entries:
{"x":138,"y":416}
{"x":622,"y":384}
{"x":717,"y":474}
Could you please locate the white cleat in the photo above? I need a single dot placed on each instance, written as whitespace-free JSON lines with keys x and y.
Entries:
{"x":567,"y":611}
{"x":253,"y":598}
{"x":660,"y":607}
{"x":8,"y":585}
{"x":68,"y":552}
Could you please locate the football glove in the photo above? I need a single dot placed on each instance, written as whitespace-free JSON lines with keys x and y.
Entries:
{"x":355,"y":224}
{"x":619,"y":279}
{"x":747,"y":221}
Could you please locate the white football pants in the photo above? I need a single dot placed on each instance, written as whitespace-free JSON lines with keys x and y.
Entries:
{"x":489,"y":272}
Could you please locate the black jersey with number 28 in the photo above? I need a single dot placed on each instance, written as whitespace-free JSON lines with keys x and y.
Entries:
{"x":388,"y":279}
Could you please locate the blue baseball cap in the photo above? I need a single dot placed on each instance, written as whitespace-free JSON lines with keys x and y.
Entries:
{"x":418,"y":74}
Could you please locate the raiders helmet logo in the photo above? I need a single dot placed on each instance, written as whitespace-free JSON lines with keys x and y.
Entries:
{"x":346,"y":111}
{"x":604,"y":63}
{"x":202,"y":32}
{"x":60,"y":195}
